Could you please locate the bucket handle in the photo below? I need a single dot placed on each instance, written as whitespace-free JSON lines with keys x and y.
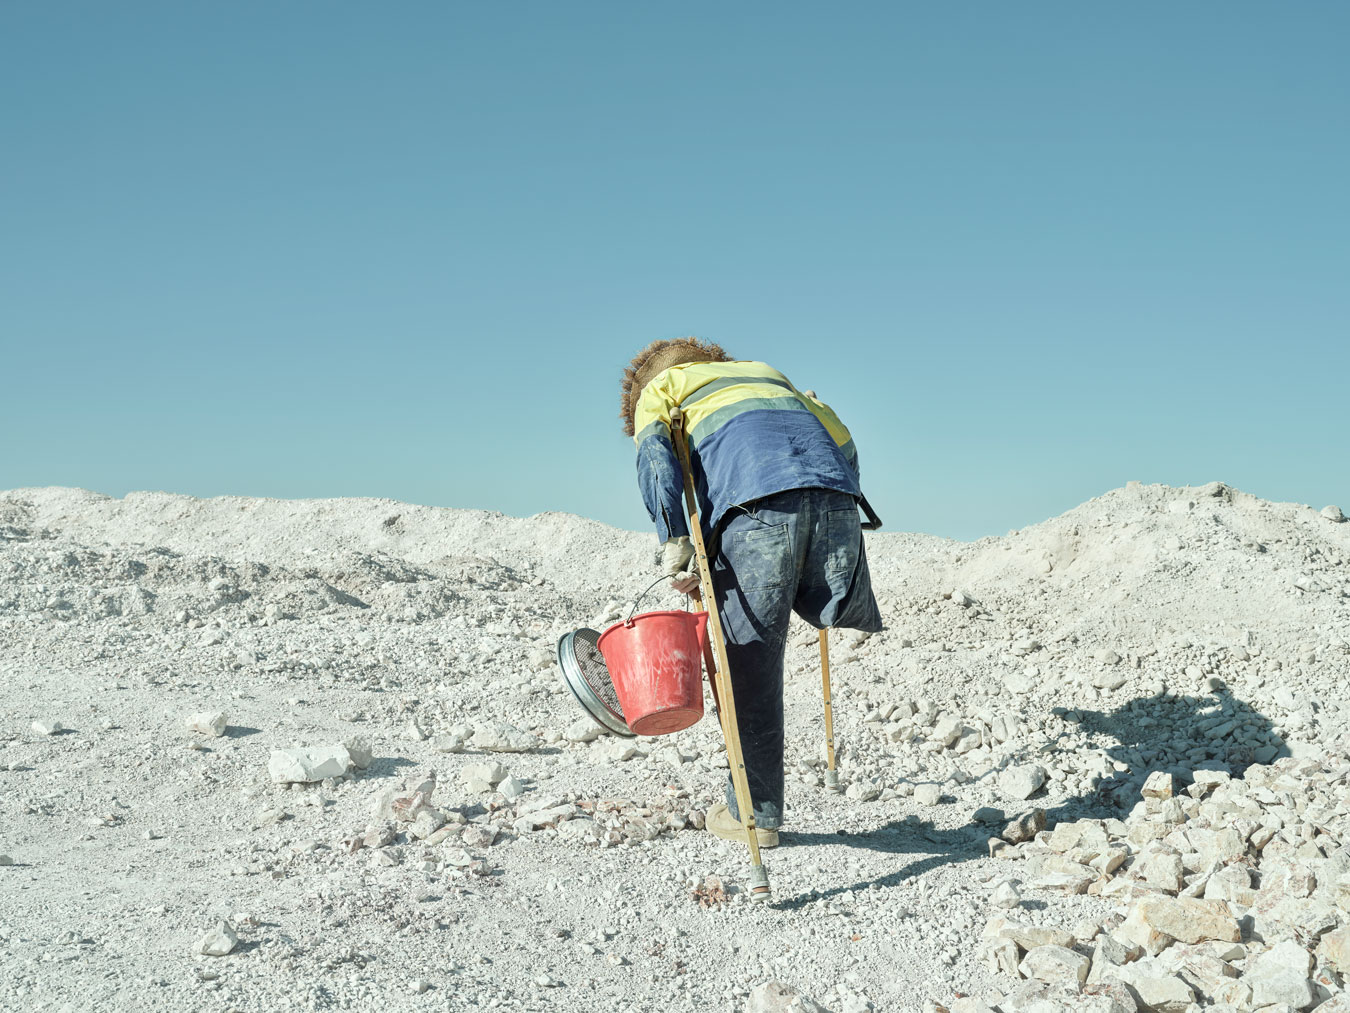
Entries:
{"x":633,"y":612}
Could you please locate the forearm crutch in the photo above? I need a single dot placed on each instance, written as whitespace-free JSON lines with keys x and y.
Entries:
{"x":731,"y":733}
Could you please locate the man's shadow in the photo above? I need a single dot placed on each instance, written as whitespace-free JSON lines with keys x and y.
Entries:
{"x":1129,"y":736}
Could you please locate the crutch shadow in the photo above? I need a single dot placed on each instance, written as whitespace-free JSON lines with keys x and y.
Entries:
{"x":1200,"y":735}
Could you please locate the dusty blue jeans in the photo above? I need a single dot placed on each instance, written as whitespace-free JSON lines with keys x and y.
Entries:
{"x":796,"y":551}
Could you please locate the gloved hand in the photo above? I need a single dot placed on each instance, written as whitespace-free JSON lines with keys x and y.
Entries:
{"x":677,"y":557}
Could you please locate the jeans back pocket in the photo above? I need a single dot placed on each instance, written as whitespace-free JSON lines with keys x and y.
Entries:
{"x":760,"y":557}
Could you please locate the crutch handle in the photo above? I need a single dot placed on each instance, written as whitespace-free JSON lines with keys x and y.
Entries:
{"x":873,"y":522}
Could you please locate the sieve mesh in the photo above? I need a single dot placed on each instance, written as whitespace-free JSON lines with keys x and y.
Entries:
{"x":594,"y":670}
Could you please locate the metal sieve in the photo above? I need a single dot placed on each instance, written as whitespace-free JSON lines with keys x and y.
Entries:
{"x":587,"y":676}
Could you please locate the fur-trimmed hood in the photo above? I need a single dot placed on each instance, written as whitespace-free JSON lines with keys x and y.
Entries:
{"x":656,"y":358}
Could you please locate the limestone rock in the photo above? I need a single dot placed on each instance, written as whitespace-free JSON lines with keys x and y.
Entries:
{"x":1028,"y":937}
{"x":1136,"y":931}
{"x":219,"y":941}
{"x":1158,"y":785}
{"x":1162,"y":993}
{"x":927,"y":794}
{"x":359,"y":749}
{"x":1280,"y":975}
{"x":500,"y":737}
{"x":1190,"y":920}
{"x":1022,"y":781}
{"x":775,"y":997}
{"x":1024,"y":827}
{"x":482,"y":777}
{"x":1006,"y":896}
{"x":288,"y":766}
{"x":582,"y":730}
{"x":1335,"y":949}
{"x":212,"y":723}
{"x":1055,"y":963}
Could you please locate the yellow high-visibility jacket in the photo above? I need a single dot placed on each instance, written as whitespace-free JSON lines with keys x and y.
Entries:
{"x":751,"y":434}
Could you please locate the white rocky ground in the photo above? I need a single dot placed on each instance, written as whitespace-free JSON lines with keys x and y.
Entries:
{"x":158,"y":654}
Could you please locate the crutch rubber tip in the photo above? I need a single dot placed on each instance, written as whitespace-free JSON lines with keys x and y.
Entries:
{"x":832,"y":780}
{"x":759,"y":883}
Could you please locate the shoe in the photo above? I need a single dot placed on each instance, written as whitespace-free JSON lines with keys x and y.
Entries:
{"x":720,"y":823}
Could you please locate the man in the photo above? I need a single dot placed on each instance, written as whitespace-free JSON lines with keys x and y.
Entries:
{"x":776,"y":475}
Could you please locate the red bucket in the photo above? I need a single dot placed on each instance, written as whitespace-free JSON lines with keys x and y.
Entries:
{"x":655,"y":661}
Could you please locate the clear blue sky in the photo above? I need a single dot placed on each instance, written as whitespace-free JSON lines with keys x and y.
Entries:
{"x":1027,"y":251}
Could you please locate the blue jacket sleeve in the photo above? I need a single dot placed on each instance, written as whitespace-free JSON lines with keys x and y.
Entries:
{"x":661,"y":483}
{"x":850,"y":451}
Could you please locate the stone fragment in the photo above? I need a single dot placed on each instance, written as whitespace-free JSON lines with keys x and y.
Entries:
{"x":1109,"y":952}
{"x":1024,"y":827}
{"x":359,"y":749}
{"x":1333,"y":513}
{"x":617,"y":749}
{"x":1161,"y":866}
{"x":1280,"y":975}
{"x":1210,"y":779}
{"x":1231,"y":883}
{"x":1188,"y":919}
{"x":1335,"y":949}
{"x":1136,"y":931}
{"x":947,"y":731}
{"x":511,"y":788}
{"x":1105,"y":997}
{"x":478,"y":836}
{"x":582,"y":730}
{"x":1055,"y":963}
{"x":969,"y":741}
{"x":1287,"y":987}
{"x":1001,"y":955}
{"x":927,"y":794}
{"x":6,"y":860}
{"x":1158,"y":785}
{"x":212,"y":723}
{"x":48,"y":726}
{"x":863,"y":791}
{"x":775,"y":997}
{"x":1028,"y":937}
{"x":452,"y":741}
{"x":988,"y":815}
{"x":500,"y":737}
{"x":426,"y":823}
{"x":482,"y":777}
{"x":1109,"y":680}
{"x":219,"y":941}
{"x":1006,"y":895}
{"x":290,"y":766}
{"x":1022,"y":781}
{"x":1162,"y":993}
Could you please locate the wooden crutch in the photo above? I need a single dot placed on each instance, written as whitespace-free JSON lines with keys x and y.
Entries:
{"x":872,"y":523}
{"x":831,"y":775}
{"x":731,"y":733}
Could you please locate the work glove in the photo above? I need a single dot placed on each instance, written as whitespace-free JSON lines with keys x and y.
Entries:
{"x":677,"y":557}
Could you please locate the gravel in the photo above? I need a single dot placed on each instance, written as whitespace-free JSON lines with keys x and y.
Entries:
{"x":1198,"y":633}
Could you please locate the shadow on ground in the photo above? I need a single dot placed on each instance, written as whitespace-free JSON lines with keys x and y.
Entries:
{"x":1161,"y":732}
